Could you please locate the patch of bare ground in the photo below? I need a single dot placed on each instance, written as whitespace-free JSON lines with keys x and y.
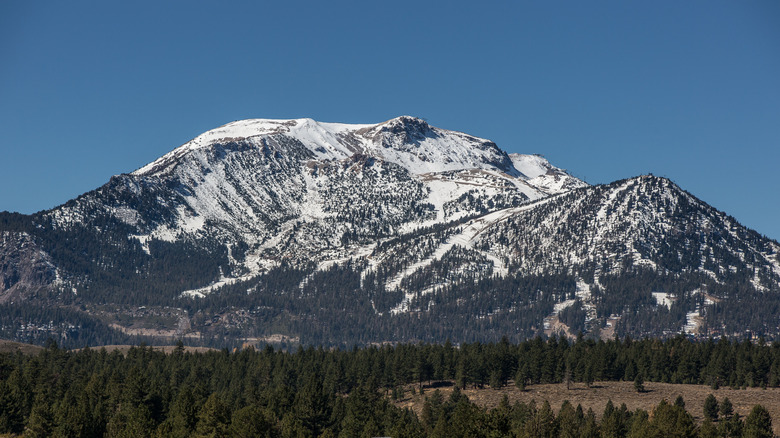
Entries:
{"x":599,"y":393}
{"x":12,"y":347}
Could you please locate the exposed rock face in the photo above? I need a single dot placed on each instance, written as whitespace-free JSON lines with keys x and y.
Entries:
{"x":24,"y":266}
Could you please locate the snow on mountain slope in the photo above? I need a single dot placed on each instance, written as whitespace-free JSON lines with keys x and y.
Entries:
{"x":644,"y":221}
{"x":323,"y":139}
{"x":421,"y":148}
{"x":464,"y":238}
{"x":265,"y":179}
{"x":621,"y":243}
{"x":531,"y":166}
{"x":306,"y":190}
{"x":406,"y":141}
{"x":544,"y":176}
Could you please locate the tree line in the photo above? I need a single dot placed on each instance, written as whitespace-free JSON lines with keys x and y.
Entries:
{"x":334,"y":392}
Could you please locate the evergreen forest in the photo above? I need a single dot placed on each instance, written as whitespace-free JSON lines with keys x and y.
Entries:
{"x":335,"y":392}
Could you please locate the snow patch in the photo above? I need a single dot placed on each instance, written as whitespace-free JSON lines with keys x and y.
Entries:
{"x":144,"y":240}
{"x":203,"y":291}
{"x":562,"y":305}
{"x":663,"y":299}
{"x":692,"y":322}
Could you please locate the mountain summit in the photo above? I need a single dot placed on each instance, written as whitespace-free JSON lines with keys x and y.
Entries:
{"x":401,"y":230}
{"x":406,"y":141}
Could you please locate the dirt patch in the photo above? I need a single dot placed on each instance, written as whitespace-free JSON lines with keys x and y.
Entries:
{"x":553,"y":325}
{"x":599,"y":393}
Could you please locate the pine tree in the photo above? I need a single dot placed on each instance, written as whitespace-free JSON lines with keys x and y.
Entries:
{"x":498,"y":419}
{"x":726,"y":408}
{"x":370,"y":429}
{"x":407,"y":425}
{"x":591,"y":428}
{"x":461,"y":376}
{"x":731,"y":427}
{"x":291,"y":427}
{"x":253,"y":421}
{"x":183,"y":415}
{"x":543,"y":423}
{"x":495,"y":379}
{"x":312,"y":405}
{"x":441,"y":429}
{"x":456,"y":395}
{"x":521,"y":377}
{"x":640,"y":424}
{"x":673,"y":420}
{"x":568,"y":423}
{"x":639,"y":383}
{"x":711,"y":408}
{"x":72,"y":418}
{"x":41,"y":421}
{"x":758,"y":423}
{"x":11,"y":405}
{"x":589,"y":372}
{"x":707,"y":429}
{"x":715,"y":383}
{"x":609,"y":408}
{"x":213,"y":418}
{"x":130,"y":422}
{"x":432,"y":409}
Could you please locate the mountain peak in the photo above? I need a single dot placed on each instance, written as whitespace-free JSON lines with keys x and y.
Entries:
{"x":406,"y":123}
{"x":406,"y":141}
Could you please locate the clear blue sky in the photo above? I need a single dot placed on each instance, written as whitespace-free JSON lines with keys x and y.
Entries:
{"x":688,"y":90}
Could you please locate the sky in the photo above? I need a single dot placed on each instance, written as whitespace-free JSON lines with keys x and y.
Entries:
{"x":605,"y":89}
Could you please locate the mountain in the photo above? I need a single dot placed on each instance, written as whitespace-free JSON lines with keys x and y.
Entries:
{"x":332,"y":233}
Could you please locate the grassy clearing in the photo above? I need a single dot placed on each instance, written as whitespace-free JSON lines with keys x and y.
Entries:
{"x":599,"y":393}
{"x":12,"y":347}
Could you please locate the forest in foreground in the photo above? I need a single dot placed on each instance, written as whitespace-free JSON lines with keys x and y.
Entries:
{"x":357,"y":392}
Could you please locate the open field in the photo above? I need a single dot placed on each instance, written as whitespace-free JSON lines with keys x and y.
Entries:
{"x":11,"y":347}
{"x":619,"y":392}
{"x":167,"y":349}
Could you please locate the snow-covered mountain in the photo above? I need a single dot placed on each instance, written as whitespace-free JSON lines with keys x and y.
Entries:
{"x":304,"y":190}
{"x":412,"y":219}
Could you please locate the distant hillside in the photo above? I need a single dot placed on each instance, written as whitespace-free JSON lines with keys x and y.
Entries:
{"x":13,"y":347}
